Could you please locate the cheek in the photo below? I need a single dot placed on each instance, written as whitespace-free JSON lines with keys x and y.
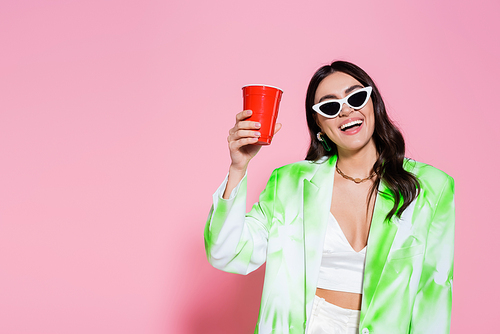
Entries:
{"x":370,"y":116}
{"x":328,"y":125}
{"x":322,"y":122}
{"x":371,"y":125}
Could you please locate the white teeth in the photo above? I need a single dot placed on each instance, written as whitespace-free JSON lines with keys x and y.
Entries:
{"x":358,"y":122}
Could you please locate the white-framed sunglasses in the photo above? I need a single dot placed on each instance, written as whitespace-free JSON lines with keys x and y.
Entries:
{"x":355,"y":100}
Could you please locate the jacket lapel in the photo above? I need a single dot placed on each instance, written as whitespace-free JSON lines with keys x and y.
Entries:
{"x":380,"y":240}
{"x":316,"y":207}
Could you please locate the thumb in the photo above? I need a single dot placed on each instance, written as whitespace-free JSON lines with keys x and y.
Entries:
{"x":277,"y":127}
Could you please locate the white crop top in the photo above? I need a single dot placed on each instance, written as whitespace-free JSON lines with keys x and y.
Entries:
{"x":342,"y":267}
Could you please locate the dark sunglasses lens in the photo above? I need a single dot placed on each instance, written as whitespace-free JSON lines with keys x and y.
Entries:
{"x":330,"y":109}
{"x":357,"y":100}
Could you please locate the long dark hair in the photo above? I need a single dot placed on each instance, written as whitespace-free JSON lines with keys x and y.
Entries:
{"x":388,"y":139}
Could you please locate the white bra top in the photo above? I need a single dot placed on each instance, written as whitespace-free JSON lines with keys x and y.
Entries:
{"x":342,"y":267}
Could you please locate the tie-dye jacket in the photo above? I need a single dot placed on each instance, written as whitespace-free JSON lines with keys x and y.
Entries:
{"x":407,"y":283}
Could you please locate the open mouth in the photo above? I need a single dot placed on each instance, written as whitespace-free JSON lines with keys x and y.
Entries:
{"x":351,"y":125}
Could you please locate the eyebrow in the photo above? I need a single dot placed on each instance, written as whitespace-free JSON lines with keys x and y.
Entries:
{"x":333,"y":96}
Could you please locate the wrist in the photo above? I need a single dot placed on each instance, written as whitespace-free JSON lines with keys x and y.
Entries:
{"x":235,"y":176}
{"x":238,"y":170}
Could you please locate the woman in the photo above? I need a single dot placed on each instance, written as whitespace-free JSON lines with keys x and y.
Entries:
{"x":356,"y":238}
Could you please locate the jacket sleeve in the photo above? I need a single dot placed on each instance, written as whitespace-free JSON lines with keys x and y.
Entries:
{"x":432,"y":308}
{"x":235,"y":242}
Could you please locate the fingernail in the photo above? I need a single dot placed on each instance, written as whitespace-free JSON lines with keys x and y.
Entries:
{"x":257,"y":134}
{"x":257,"y":125}
{"x":249,"y":112}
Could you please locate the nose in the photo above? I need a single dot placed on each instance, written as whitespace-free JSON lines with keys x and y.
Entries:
{"x":345,"y":110}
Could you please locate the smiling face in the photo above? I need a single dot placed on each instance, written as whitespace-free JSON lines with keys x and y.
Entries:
{"x":352,"y":130}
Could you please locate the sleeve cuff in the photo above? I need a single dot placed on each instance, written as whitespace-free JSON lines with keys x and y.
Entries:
{"x":220,"y":191}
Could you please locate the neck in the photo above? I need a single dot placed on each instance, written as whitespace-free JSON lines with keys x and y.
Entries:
{"x":357,"y":163}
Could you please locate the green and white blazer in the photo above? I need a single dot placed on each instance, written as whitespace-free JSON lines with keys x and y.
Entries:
{"x":408,"y":276}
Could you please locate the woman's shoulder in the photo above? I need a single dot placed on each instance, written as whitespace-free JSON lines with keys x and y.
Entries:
{"x":426,"y":173}
{"x":300,"y":169}
{"x":303,"y":165}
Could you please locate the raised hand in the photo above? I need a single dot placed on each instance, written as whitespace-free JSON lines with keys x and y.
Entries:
{"x":241,"y":149}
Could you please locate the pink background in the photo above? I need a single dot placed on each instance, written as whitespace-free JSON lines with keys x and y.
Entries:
{"x":113,"y":125}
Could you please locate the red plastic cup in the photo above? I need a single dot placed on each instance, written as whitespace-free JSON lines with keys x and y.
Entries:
{"x":264,"y":101}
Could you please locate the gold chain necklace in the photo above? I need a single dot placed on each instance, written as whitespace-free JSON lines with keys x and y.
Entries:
{"x":355,"y":180}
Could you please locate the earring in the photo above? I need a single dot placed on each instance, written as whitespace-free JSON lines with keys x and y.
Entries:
{"x":323,"y":142}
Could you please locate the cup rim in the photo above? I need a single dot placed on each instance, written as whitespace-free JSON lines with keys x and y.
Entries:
{"x":262,"y":85}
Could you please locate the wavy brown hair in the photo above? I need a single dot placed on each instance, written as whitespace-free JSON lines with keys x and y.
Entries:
{"x":389,"y":141}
